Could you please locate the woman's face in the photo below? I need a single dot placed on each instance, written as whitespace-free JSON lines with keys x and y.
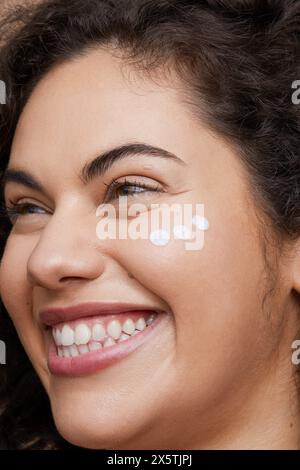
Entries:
{"x":201,"y":367}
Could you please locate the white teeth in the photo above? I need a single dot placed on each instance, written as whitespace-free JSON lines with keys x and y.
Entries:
{"x":94,"y":346}
{"x":123,"y":337}
{"x":98,"y":332}
{"x":150,"y":319}
{"x":73,"y":350}
{"x":85,"y":339}
{"x":128,"y":326}
{"x":82,"y":334}
{"x":54,"y":333}
{"x":67,"y":336}
{"x":140,"y":324}
{"x":66,"y":351}
{"x":58,"y":338}
{"x":83,"y":348}
{"x":109,"y":342}
{"x":114,"y":329}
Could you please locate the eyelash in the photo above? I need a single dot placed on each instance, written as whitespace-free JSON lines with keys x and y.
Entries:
{"x":115,"y":185}
{"x":16,"y":209}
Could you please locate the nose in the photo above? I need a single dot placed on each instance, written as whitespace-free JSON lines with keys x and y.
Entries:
{"x":67,"y":251}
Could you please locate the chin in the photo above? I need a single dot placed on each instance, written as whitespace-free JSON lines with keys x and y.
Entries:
{"x":93,"y":428}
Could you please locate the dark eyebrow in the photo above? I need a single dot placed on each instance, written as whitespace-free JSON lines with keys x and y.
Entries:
{"x":104,"y":162}
{"x":20,"y":177}
{"x":96,"y":167}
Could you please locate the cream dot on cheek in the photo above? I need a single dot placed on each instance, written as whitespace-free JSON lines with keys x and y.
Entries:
{"x":159,"y":237}
{"x":200,"y":222}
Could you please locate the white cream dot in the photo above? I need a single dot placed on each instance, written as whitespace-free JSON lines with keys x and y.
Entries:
{"x":182,"y":232}
{"x":200,"y":222}
{"x":159,"y":237}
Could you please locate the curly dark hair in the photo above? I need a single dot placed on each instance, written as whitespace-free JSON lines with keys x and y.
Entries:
{"x":237,"y":61}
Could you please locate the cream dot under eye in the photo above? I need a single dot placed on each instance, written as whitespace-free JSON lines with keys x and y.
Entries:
{"x":160,"y":237}
{"x":200,"y":222}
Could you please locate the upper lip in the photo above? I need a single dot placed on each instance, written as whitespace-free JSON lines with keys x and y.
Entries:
{"x":52,"y":316}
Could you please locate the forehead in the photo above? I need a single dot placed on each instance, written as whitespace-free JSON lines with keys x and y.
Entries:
{"x":97,"y":100}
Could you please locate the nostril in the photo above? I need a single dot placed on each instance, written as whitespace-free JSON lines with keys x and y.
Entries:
{"x":70,"y":278}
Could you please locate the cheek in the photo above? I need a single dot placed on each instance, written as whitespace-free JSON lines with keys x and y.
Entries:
{"x":17,"y":298}
{"x":179,"y":270}
{"x":14,"y":288}
{"x":213,"y":292}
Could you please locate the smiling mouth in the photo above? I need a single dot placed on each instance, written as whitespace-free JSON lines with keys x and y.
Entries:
{"x":89,"y":344}
{"x":81,"y":337}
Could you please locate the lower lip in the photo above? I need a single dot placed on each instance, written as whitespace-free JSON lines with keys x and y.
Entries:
{"x":95,"y":361}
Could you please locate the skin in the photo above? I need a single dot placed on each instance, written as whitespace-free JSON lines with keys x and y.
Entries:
{"x":217,"y":373}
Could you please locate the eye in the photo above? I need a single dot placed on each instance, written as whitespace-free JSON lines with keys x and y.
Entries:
{"x":14,"y":211}
{"x":118,"y":189}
